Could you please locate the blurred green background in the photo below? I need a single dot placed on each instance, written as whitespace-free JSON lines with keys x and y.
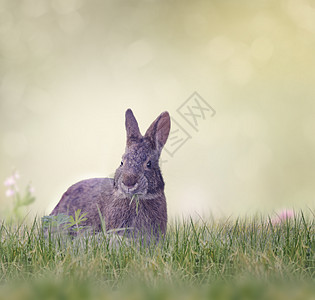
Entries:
{"x":70,"y":68}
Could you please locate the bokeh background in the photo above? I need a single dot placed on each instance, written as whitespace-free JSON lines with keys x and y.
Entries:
{"x":70,"y":68}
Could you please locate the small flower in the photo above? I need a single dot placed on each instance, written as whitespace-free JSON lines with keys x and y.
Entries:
{"x":283,"y":216}
{"x":286,"y":214}
{"x":9,"y":193}
{"x":16,"y":174}
{"x":31,"y":190}
{"x":10,"y":181}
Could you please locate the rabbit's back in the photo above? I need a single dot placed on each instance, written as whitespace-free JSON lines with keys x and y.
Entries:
{"x":91,"y":196}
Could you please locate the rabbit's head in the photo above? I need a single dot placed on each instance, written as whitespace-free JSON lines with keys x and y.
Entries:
{"x":139,"y":171}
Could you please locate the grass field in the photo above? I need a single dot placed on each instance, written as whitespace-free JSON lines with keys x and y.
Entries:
{"x":246,"y":258}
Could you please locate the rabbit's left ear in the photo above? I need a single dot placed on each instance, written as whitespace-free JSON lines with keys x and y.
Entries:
{"x":132,"y":128}
{"x":159,"y":130}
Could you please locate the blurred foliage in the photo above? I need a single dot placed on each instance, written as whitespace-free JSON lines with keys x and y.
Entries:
{"x":83,"y":290}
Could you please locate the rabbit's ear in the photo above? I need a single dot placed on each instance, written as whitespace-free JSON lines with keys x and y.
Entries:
{"x":159,"y":130}
{"x":132,"y":128}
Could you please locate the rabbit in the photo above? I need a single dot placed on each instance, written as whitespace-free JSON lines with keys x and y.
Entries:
{"x":133,"y":201}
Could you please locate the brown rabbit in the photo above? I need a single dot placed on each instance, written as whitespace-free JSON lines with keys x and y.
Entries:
{"x":134,"y":199}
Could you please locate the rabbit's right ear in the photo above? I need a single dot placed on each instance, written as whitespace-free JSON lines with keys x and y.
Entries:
{"x":159,"y":130}
{"x":132,"y":128}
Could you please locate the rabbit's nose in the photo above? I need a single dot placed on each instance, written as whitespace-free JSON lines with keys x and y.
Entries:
{"x":129,"y":180}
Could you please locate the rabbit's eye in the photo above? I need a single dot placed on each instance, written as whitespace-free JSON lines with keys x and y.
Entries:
{"x":149,"y":164}
{"x":121,"y":164}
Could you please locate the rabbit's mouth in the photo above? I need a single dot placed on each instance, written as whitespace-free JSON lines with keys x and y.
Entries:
{"x":131,"y":190}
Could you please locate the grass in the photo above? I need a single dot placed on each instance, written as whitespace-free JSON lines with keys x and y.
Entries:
{"x":197,"y":259}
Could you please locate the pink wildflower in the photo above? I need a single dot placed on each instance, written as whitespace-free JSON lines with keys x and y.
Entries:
{"x":31,"y":190}
{"x":283,"y":216}
{"x":16,"y":174}
{"x":9,"y":193}
{"x":10,"y":181}
{"x":286,"y":214}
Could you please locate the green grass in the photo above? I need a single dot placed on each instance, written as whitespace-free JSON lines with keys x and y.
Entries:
{"x":196,"y":259}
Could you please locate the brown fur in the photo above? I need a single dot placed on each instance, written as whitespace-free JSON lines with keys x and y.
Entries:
{"x":139,"y":175}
